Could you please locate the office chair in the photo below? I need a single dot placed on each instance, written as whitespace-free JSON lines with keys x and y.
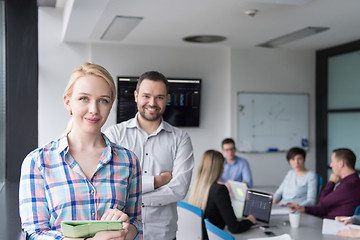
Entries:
{"x":320,"y":183}
{"x":189,"y":222}
{"x":215,"y":233}
{"x":357,"y":210}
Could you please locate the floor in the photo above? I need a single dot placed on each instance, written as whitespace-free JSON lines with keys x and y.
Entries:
{"x":10,"y":227}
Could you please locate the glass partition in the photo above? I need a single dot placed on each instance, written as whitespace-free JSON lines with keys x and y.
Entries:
{"x":344,"y":132}
{"x":343,"y":81}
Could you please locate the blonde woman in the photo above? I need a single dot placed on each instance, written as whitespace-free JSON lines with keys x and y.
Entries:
{"x":82,"y":175}
{"x":213,"y":198}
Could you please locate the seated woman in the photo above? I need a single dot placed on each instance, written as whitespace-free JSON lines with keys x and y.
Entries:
{"x":82,"y":175}
{"x":351,"y":232}
{"x":213,"y":198}
{"x":299,"y":185}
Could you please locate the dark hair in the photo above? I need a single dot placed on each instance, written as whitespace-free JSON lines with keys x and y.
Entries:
{"x":347,"y":156}
{"x":153,"y":76}
{"x":227,"y":141}
{"x":295,"y":151}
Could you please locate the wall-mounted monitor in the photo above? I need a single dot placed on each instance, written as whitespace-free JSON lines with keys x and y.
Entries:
{"x":183,"y":106}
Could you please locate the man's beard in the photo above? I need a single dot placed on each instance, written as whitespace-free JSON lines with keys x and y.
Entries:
{"x":152,"y":118}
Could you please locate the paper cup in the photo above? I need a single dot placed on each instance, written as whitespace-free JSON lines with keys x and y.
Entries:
{"x":294,"y":218}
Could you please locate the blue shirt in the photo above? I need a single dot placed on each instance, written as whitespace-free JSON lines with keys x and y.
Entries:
{"x":298,"y":189}
{"x":238,"y":170}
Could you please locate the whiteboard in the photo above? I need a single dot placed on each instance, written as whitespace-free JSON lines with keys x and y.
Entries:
{"x":272,"y":121}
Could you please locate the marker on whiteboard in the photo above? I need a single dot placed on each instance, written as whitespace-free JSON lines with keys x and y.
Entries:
{"x":304,"y":142}
{"x":273,"y":149}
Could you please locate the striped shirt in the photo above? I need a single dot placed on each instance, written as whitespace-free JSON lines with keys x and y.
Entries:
{"x":53,"y":188}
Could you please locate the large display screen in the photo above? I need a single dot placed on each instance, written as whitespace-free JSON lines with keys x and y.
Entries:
{"x":183,"y":106}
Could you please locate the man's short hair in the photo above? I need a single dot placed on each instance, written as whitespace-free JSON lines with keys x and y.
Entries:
{"x":227,"y":141}
{"x":295,"y":151}
{"x":347,"y":156}
{"x":153,"y":76}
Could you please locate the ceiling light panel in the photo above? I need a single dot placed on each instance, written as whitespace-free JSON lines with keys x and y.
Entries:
{"x":289,"y":2}
{"x":302,"y":33}
{"x":120,"y":27}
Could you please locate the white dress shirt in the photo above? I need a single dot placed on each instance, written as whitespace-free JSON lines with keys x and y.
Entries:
{"x":166,"y":149}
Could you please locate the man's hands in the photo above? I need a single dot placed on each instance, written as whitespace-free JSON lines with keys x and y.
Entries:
{"x":344,"y":219}
{"x":295,"y":207}
{"x":162,"y":179}
{"x":334,"y":178}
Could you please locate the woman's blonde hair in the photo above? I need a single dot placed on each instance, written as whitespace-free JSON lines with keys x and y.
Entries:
{"x":89,"y":69}
{"x":210,"y":169}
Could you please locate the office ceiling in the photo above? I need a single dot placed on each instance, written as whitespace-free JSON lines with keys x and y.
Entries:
{"x":167,"y":22}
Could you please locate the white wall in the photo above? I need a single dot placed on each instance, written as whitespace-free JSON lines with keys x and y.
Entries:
{"x":224,"y":72}
{"x":208,"y":64}
{"x":273,"y":70}
{"x":57,"y":59}
{"x":56,"y":62}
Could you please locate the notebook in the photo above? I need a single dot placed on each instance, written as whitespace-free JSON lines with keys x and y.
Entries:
{"x":238,"y":194}
{"x":259,"y":204}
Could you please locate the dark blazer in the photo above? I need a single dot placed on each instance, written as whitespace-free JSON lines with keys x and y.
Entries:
{"x":220,"y":212}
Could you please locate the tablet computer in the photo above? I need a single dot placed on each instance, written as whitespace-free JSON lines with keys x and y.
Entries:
{"x":83,"y":228}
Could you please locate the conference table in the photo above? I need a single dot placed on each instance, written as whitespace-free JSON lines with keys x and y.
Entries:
{"x":310,"y":227}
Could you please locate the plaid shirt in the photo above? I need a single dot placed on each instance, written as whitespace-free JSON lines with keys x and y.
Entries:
{"x":53,"y":188}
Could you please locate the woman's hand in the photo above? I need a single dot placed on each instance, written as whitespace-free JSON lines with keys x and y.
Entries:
{"x":348,"y":220}
{"x":251,"y":218}
{"x":129,"y":231}
{"x":115,"y":215}
{"x":351,"y":232}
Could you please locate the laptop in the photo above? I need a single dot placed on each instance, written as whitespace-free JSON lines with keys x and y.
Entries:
{"x":259,"y":204}
{"x":238,"y":195}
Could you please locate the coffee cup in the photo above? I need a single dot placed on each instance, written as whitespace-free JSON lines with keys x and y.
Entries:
{"x":294,"y":218}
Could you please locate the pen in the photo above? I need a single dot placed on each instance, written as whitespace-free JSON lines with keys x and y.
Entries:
{"x":345,"y":218}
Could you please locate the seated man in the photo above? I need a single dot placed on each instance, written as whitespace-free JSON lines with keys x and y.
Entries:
{"x":235,"y":168}
{"x":342,"y":200}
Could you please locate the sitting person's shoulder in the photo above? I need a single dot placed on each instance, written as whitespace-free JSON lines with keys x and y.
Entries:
{"x":217,"y":187}
{"x":311,"y":174}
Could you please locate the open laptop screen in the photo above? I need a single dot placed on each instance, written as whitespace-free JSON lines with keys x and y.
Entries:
{"x":258,"y":204}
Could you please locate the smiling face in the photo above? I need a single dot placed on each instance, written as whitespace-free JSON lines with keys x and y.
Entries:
{"x":90,"y":103}
{"x":151,"y":100}
{"x":297,"y":162}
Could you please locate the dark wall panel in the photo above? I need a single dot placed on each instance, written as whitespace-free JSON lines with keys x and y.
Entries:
{"x":21,"y":83}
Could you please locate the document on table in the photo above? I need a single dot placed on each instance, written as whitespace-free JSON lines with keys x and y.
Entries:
{"x":81,"y":229}
{"x":280,"y":211}
{"x":281,"y":237}
{"x":332,"y":226}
